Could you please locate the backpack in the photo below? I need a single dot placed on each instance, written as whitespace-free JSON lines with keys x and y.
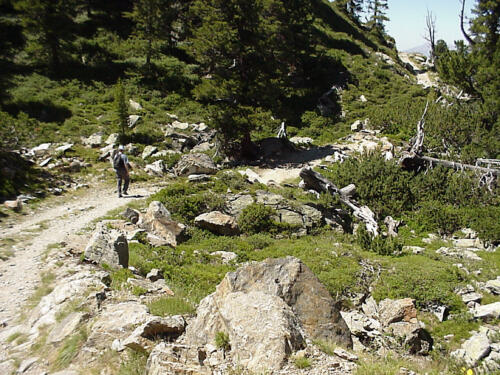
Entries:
{"x":118,"y":161}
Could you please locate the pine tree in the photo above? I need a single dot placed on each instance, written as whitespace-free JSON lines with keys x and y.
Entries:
{"x":153,"y":23}
{"x":250,"y":51}
{"x":353,"y":8}
{"x":377,"y":10}
{"x":50,"y":26}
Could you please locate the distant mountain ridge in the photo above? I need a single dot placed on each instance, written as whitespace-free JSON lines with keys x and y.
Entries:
{"x":423,"y":49}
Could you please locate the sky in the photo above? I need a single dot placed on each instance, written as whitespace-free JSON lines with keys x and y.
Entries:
{"x":407,"y":21}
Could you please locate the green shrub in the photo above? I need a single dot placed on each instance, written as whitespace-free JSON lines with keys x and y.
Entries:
{"x":423,"y":279}
{"x":302,"y":362}
{"x":186,"y":201}
{"x":256,"y":218}
{"x":379,"y":245}
{"x":382,"y":185}
{"x":222,"y":341}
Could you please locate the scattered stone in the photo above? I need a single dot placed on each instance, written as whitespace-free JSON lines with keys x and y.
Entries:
{"x":156,"y":168}
{"x":391,"y":311}
{"x":131,"y":215}
{"x":471,"y":297}
{"x":94,"y":141}
{"x":41,"y":149}
{"x":26,"y":364}
{"x":344,"y":354}
{"x":357,"y":126}
{"x":198,"y":177}
{"x":474,"y":349}
{"x":414,"y":249}
{"x":218,"y":222}
{"x":149,"y":151}
{"x":202,"y":147}
{"x":45,"y":162}
{"x":468,"y":243}
{"x":154,"y":274}
{"x":286,"y":278}
{"x":302,"y":141}
{"x":180,"y":125}
{"x":157,"y":221}
{"x":107,"y":246}
{"x":155,"y":328}
{"x":134,"y":105}
{"x":195,"y":164}
{"x":112,"y":139}
{"x":493,"y":286}
{"x":226,"y":256}
{"x":65,"y":147}
{"x":488,"y":312}
{"x":16,"y":205}
{"x":362,"y":98}
{"x":133,"y":120}
{"x":201,"y":127}
{"x":251,"y":176}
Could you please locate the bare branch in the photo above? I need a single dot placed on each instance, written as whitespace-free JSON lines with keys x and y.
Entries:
{"x":467,"y":37}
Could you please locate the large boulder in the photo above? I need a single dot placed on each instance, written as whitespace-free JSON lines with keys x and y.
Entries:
{"x":195,"y":164}
{"x":217,"y":222}
{"x":158,"y":222}
{"x":286,"y":278}
{"x":107,"y":246}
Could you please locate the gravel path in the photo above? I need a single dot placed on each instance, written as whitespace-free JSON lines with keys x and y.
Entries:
{"x":20,"y":274}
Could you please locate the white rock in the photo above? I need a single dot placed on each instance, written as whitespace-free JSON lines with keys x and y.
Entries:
{"x":486,"y":312}
{"x":134,"y":105}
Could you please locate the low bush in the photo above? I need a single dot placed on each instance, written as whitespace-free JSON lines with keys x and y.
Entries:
{"x":423,"y":279}
{"x":256,"y":218}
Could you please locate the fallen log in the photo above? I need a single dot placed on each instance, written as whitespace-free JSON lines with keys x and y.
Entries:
{"x":316,"y":181}
{"x":460,"y":166}
{"x":414,"y":159}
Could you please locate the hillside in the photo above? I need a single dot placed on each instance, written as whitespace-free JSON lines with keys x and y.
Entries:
{"x":364,"y":239}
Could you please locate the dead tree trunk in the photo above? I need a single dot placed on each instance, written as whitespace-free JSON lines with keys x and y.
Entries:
{"x":414,"y":159}
{"x":460,"y":166}
{"x":318,"y":182}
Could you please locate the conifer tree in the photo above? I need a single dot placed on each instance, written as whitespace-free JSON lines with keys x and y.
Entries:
{"x":250,"y":51}
{"x":378,"y":13}
{"x":50,"y":26}
{"x":153,"y":23}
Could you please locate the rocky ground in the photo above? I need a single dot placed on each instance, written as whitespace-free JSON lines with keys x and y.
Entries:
{"x":61,"y":315}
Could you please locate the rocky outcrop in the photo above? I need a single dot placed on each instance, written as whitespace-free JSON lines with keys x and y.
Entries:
{"x":286,"y":278}
{"x":217,"y":222}
{"x":195,"y":164}
{"x":107,"y":246}
{"x":157,"y":221}
{"x":481,"y":351}
{"x":387,"y":325}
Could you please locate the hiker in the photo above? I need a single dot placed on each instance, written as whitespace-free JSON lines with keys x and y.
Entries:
{"x":122,"y":167}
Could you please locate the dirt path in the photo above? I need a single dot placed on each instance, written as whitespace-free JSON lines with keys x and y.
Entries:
{"x":20,"y":274}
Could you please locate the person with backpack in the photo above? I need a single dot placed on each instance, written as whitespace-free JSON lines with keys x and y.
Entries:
{"x":122,"y":167}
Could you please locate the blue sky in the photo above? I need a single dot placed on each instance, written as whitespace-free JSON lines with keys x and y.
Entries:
{"x":407,"y":20}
